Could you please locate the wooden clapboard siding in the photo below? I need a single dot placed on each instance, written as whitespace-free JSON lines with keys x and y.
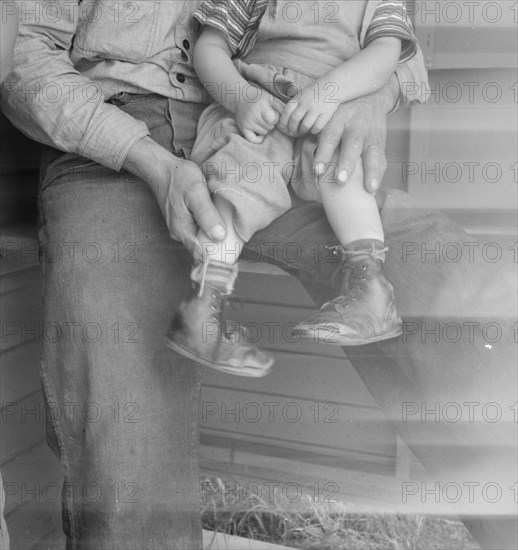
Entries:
{"x":33,"y":480}
{"x":21,"y":312}
{"x":449,"y":137}
{"x":320,"y":410}
{"x":18,"y":364}
{"x":398,"y":142}
{"x":471,"y":114}
{"x":23,"y":426}
{"x":20,"y":321}
{"x":361,"y":486}
{"x":458,"y":35}
{"x":30,"y":472}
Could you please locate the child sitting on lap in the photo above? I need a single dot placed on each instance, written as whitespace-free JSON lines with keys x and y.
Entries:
{"x":278,"y":70}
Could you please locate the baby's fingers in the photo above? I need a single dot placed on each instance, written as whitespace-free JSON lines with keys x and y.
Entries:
{"x":252,"y":137}
{"x":270,"y":117}
{"x":295,"y":119}
{"x":289,"y":109}
{"x":308,"y":122}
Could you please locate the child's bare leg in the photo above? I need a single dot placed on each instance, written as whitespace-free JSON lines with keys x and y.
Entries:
{"x":351,"y":211}
{"x":364,"y":312}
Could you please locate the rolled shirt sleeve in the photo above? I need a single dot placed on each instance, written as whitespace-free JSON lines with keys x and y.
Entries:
{"x":238,"y":20}
{"x":412,"y":75}
{"x":391,"y":19}
{"x":413,"y":80}
{"x":47,"y":98}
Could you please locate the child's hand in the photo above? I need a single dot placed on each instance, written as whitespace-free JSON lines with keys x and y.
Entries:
{"x":308,"y":113}
{"x":258,"y":118}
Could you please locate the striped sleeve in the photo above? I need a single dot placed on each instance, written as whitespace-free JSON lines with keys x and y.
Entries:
{"x":238,"y":20}
{"x":391,"y":19}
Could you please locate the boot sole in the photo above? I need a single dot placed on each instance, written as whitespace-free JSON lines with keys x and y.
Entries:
{"x":335,"y":339}
{"x":248,"y":372}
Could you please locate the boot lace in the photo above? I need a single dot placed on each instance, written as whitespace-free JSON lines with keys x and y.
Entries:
{"x":353,"y":275}
{"x":231,"y":331}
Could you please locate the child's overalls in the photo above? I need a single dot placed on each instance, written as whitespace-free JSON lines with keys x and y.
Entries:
{"x":297,"y":43}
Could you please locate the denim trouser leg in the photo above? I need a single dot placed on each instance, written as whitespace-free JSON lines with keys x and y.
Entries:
{"x":450,"y":357}
{"x":124,"y":407}
{"x":4,"y":535}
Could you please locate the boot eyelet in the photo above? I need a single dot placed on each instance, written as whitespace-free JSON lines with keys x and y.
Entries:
{"x":364,"y":268}
{"x":355,"y":298}
{"x":364,"y":279}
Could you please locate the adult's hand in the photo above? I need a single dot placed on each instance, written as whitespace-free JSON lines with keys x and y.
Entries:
{"x":358,"y":130}
{"x":180,"y":190}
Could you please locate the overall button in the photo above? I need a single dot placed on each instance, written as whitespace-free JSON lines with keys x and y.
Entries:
{"x":180,"y":77}
{"x":186,"y":44}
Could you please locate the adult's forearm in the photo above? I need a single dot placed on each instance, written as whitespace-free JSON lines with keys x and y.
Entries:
{"x":149,"y":161}
{"x":50,"y":101}
{"x":389,"y":95}
{"x":99,"y":131}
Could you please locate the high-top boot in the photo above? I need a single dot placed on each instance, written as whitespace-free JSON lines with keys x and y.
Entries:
{"x":199,"y":333}
{"x":365,"y":311}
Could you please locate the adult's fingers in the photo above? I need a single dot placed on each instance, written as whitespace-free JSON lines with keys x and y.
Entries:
{"x":351,"y":149}
{"x":205,"y":214}
{"x":374,"y":166}
{"x":328,"y":142}
{"x":186,"y":233}
{"x":349,"y":145}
